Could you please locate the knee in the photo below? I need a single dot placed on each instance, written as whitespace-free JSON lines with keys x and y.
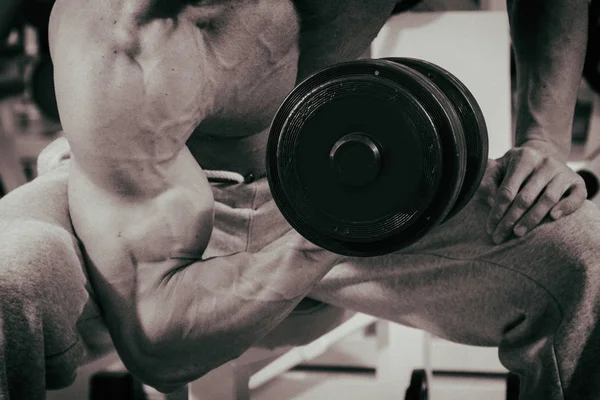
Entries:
{"x":38,"y":259}
{"x":42,"y":283}
{"x":574,"y":239}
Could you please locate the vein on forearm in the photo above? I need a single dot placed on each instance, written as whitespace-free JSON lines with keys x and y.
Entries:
{"x":549,"y":40}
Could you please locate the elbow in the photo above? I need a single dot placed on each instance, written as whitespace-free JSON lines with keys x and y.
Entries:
{"x":152,"y":372}
{"x":167,"y":365}
{"x":166,"y":352}
{"x":149,"y":367}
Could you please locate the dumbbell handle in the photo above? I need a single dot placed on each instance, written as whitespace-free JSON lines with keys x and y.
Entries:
{"x":356,"y":159}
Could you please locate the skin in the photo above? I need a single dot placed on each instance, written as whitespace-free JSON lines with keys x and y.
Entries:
{"x":532,"y":182}
{"x":152,"y":91}
{"x":135,"y":81}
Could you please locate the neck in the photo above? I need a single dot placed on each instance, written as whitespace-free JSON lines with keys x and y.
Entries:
{"x":244,"y":155}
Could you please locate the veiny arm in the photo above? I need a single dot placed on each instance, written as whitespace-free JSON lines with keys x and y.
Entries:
{"x":549,"y":39}
{"x":130,"y":94}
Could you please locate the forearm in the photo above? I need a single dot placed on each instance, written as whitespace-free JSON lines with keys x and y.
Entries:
{"x":549,"y":39}
{"x":206,"y":313}
{"x":173,"y":316}
{"x":217,"y":309}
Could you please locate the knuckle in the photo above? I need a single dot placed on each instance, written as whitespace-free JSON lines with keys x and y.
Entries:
{"x":505,"y":228}
{"x":497,"y":213}
{"x":551,"y":197}
{"x":568,"y":176}
{"x":571,"y":205}
{"x":528,"y":152}
{"x":512,"y":218}
{"x":507,"y":220}
{"x":528,"y":222}
{"x":576,"y":205}
{"x":485,"y":185}
{"x":564,"y":210}
{"x":505,"y":194}
{"x":582,"y":192}
{"x":495,"y":218}
{"x":524,"y":200}
{"x":546,"y":160}
{"x":579,"y":181}
{"x":486,"y":193}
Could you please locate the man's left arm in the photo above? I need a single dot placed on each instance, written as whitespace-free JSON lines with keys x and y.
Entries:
{"x":549,"y":42}
{"x":532,"y":181}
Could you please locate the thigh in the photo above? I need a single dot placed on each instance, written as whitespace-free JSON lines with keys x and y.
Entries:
{"x":458,"y":284}
{"x":41,"y":263}
{"x":302,"y":327}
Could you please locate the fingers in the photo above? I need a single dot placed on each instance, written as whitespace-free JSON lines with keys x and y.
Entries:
{"x":507,"y":192}
{"x":552,"y":194}
{"x":533,"y":186}
{"x":577,"y":194}
{"x":529,"y":196}
{"x":490,"y":182}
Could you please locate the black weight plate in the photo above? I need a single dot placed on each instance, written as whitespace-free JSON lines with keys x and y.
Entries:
{"x":454,"y":149}
{"x":402,"y":111}
{"x":339,"y":101}
{"x":473,"y":122}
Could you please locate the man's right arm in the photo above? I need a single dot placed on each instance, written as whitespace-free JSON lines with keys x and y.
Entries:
{"x":143,"y":208}
{"x":212,"y":311}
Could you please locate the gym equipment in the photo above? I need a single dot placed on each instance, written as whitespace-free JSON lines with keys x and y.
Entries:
{"x":36,"y":79}
{"x":365,"y":157}
{"x":418,"y":388}
{"x":115,"y":385}
{"x":38,"y":82}
{"x":512,"y":386}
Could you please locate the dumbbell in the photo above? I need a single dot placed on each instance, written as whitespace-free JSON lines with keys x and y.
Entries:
{"x":365,"y":157}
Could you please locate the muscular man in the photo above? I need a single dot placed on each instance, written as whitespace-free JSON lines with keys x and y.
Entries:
{"x":187,"y":272}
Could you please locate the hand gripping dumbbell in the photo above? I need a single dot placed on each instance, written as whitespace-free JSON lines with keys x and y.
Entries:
{"x":365,"y":157}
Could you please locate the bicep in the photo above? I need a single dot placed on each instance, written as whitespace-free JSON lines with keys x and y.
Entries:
{"x":96,"y":87}
{"x":100,"y":94}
